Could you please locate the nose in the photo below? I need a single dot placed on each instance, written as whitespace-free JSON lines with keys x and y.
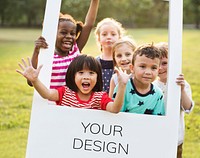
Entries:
{"x":86,"y":76}
{"x":68,"y":35}
{"x":109,"y":36}
{"x":148,"y":71}
{"x":123,"y":57}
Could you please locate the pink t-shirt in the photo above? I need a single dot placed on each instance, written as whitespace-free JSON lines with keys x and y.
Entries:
{"x":98,"y":100}
{"x":60,"y":66}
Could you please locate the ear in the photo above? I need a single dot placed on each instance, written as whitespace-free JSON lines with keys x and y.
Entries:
{"x":131,"y":68}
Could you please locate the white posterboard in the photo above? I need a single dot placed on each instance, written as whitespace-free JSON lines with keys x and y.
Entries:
{"x":77,"y":133}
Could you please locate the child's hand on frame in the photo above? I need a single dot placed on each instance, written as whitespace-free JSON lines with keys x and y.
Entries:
{"x":181,"y":81}
{"x":28,"y":71}
{"x":41,"y":43}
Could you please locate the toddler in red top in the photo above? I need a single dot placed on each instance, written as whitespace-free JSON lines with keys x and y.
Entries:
{"x":83,"y":85}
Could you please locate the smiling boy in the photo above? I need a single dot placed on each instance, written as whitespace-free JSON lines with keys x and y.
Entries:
{"x":141,"y":95}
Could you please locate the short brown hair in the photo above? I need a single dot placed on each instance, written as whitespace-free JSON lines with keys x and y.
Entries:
{"x":149,"y":50}
{"x":163,"y":47}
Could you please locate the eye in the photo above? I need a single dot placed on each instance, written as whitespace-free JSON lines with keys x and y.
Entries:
{"x":154,"y":68}
{"x":104,"y":34}
{"x":164,"y":63}
{"x":114,"y":34}
{"x":73,"y":34}
{"x":80,"y":72}
{"x":118,"y":55}
{"x":63,"y":33}
{"x":128,"y":54}
{"x":92,"y":72}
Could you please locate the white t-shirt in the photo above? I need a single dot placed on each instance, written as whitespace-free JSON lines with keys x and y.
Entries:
{"x":181,"y":129}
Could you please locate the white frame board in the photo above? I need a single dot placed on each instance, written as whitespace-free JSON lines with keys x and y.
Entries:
{"x":69,"y":132}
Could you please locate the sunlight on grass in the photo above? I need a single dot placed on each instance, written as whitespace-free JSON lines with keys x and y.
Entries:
{"x":16,"y":95}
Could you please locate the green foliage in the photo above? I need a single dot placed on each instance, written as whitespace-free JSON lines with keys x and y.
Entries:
{"x":16,"y":95}
{"x":132,"y":13}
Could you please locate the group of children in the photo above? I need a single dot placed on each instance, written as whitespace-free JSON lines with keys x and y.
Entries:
{"x":125,"y":77}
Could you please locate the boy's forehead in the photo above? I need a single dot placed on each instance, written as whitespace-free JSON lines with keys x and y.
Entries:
{"x":144,"y":59}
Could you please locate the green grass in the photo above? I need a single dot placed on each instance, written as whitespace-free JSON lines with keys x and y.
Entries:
{"x":16,"y":96}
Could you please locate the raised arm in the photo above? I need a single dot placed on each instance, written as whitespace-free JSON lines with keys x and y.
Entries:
{"x":112,"y":87}
{"x":123,"y":78}
{"x":31,"y":74}
{"x":88,"y":24}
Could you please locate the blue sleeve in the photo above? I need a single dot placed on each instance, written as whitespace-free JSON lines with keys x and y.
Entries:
{"x":160,"y":108}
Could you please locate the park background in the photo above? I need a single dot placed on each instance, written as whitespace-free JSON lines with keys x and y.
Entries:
{"x":145,"y":21}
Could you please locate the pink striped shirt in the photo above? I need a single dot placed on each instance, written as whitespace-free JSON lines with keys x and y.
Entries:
{"x":98,"y":100}
{"x":60,"y":66}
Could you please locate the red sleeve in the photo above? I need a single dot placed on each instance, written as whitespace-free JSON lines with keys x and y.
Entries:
{"x":61,"y":91}
{"x":105,"y":100}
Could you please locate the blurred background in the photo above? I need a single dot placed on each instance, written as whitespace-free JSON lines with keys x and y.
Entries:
{"x":144,"y":20}
{"x":132,"y":13}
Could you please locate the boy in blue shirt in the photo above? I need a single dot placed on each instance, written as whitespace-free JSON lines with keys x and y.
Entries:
{"x":141,"y":96}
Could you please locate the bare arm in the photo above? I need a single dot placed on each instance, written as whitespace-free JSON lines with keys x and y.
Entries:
{"x":31,"y":74}
{"x":39,"y":43}
{"x":123,"y":78}
{"x":186,"y":101}
{"x":88,"y":25}
{"x":112,"y":86}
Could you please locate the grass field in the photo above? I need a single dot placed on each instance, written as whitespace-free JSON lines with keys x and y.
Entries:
{"x":16,"y":96}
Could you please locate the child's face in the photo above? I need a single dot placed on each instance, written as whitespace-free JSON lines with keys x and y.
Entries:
{"x":66,"y":36}
{"x":108,"y":35}
{"x":123,"y":56}
{"x":162,"y":73}
{"x":145,"y":70}
{"x":85,"y":81}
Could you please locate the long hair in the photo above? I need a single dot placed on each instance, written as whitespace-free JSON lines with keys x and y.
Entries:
{"x":84,"y":62}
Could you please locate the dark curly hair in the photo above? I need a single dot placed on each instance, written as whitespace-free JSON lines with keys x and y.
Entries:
{"x":67,"y":17}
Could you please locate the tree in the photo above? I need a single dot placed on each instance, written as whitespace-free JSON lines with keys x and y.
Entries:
{"x":196,"y":7}
{"x":4,"y":5}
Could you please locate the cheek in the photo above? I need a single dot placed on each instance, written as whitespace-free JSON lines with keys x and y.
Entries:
{"x":76,"y":78}
{"x":115,"y":38}
{"x":94,"y":80}
{"x":117,"y":60}
{"x":129,"y":59}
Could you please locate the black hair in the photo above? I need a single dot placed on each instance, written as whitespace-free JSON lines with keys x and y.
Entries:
{"x":79,"y":63}
{"x":67,"y":17}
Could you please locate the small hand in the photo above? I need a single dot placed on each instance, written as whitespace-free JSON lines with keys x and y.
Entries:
{"x":123,"y":77}
{"x":28,"y":71}
{"x":181,"y":81}
{"x":41,"y":43}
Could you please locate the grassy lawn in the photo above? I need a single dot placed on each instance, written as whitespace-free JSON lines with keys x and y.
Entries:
{"x":16,"y":96}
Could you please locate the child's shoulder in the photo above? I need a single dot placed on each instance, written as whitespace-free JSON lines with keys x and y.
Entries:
{"x":156,"y":88}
